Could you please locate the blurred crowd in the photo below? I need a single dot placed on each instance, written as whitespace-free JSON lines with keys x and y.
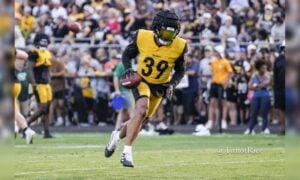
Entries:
{"x":249,"y":30}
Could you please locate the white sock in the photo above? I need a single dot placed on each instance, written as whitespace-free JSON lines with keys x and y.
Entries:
{"x":118,"y":136}
{"x":127,"y":149}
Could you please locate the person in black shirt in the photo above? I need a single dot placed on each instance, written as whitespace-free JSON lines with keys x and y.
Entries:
{"x":279,"y":85}
{"x":90,"y":25}
{"x":61,"y":29}
{"x":242,"y":68}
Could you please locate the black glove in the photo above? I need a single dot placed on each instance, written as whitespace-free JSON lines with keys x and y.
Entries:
{"x":127,"y":73}
{"x":169,"y":90}
{"x":34,"y":89}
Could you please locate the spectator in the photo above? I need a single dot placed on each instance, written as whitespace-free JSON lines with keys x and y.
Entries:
{"x":112,"y":21}
{"x":205,"y":79}
{"x":242,"y":69}
{"x":228,"y":29}
{"x":74,"y":13}
{"x":266,"y":19}
{"x":90,"y":25}
{"x":207,"y":29}
{"x":40,"y":8}
{"x":58,"y":10}
{"x":260,"y":102}
{"x":127,"y":22}
{"x":85,"y":71}
{"x":126,"y":111}
{"x":238,"y":5}
{"x":143,"y":10}
{"x":57,"y":106}
{"x":61,"y":29}
{"x":278,"y":29}
{"x":27,"y":22}
{"x":221,"y":72}
{"x":248,"y":27}
{"x":279,"y":86}
{"x":19,"y":38}
{"x":191,"y":92}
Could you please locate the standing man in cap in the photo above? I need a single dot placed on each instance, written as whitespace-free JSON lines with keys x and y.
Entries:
{"x":221,"y":73}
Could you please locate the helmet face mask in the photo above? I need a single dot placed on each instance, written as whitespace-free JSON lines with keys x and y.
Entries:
{"x":41,"y":40}
{"x":166,"y":35}
{"x":166,"y":27}
{"x":43,"y":43}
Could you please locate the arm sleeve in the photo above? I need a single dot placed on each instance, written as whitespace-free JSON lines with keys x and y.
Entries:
{"x":130,"y":52}
{"x":117,"y":71}
{"x":29,"y":68}
{"x":229,"y":67}
{"x":33,"y":56}
{"x":179,"y":69}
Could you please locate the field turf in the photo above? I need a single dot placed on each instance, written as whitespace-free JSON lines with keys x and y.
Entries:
{"x":80,"y":156}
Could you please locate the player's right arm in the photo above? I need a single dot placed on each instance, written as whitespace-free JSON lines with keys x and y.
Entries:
{"x":116,"y":79}
{"x":21,"y":55}
{"x":32,"y":58}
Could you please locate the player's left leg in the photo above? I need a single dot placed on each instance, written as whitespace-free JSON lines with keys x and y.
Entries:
{"x":133,"y":127}
{"x":21,"y":122}
{"x":46,"y":120}
{"x":19,"y":118}
{"x":41,"y":99}
{"x":44,"y":97}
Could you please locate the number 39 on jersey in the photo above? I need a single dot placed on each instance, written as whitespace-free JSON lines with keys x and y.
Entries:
{"x":155,"y":63}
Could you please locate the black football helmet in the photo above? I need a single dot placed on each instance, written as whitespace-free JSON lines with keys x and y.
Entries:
{"x":41,"y":40}
{"x":166,"y":26}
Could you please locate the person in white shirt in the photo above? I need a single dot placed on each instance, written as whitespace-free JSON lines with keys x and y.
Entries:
{"x":205,"y":70}
{"x":40,"y":8}
{"x":228,"y":29}
{"x":58,"y":10}
{"x":205,"y":79}
{"x":278,"y":29}
{"x":238,"y":5}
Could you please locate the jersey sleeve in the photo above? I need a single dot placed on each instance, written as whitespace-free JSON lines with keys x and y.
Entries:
{"x":179,"y":63}
{"x":33,"y":56}
{"x":118,"y":70}
{"x":179,"y":68}
{"x":130,"y":52}
{"x":229,"y":67}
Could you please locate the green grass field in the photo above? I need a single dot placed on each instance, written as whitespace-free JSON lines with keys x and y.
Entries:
{"x":80,"y":156}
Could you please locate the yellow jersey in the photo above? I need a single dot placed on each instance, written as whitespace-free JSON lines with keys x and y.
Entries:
{"x":42,"y":62}
{"x":155,"y":63}
{"x":220,"y":71}
{"x":27,"y":25}
{"x":44,"y":57}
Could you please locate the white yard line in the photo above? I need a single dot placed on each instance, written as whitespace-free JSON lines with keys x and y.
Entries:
{"x":147,"y":166}
{"x":90,"y":146}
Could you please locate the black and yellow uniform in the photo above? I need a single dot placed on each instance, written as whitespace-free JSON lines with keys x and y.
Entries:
{"x":42,"y":61}
{"x":155,"y":65}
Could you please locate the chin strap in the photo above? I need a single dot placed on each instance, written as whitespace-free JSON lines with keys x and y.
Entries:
{"x":162,"y":42}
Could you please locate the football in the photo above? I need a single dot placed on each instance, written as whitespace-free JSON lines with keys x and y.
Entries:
{"x":132,"y":81}
{"x":74,"y":27}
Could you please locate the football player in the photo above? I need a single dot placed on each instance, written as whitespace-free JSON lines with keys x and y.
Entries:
{"x":19,"y":118}
{"x":160,"y":52}
{"x":39,"y":73}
